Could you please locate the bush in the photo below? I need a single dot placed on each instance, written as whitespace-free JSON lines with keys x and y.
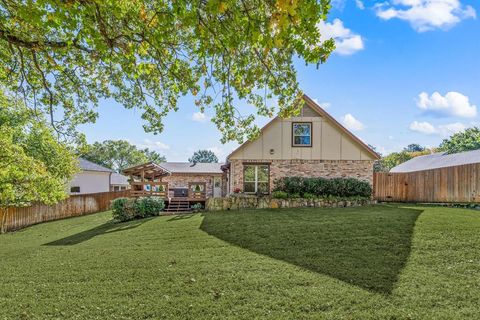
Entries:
{"x":125,"y":209}
{"x":148,"y":207}
{"x":280,"y":195}
{"x":308,"y":196}
{"x":197,"y":207}
{"x":321,"y":187}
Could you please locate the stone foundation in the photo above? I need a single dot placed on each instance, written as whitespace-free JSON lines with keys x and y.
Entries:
{"x":359,"y":169}
{"x":238,"y":202}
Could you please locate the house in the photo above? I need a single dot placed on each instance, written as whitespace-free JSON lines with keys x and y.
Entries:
{"x":437,"y":161}
{"x":94,"y":178}
{"x":312,"y":144}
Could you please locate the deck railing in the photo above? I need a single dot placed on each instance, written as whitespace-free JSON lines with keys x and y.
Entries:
{"x":157,"y":189}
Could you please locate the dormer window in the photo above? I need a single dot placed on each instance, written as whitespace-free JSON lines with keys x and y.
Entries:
{"x":301,"y":134}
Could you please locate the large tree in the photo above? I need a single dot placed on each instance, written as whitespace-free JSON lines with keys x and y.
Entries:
{"x":34,"y":165}
{"x":119,"y":154}
{"x":204,"y":156}
{"x":462,"y":141}
{"x":64,"y":56}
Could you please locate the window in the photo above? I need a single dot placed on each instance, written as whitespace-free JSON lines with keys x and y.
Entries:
{"x":74,"y":189}
{"x":116,"y":188}
{"x":256,"y":178}
{"x":302,"y":134}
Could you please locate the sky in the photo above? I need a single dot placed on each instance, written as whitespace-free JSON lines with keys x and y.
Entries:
{"x":404,"y":71}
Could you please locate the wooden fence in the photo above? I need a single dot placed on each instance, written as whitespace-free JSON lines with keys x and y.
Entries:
{"x":76,"y":205}
{"x":460,"y":184}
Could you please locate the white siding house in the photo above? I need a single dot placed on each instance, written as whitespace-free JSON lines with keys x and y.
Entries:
{"x":94,"y":178}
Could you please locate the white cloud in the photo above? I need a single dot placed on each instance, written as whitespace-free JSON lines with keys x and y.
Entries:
{"x":346,"y":41}
{"x":422,"y":127}
{"x":360,"y":5}
{"x":444,"y":130}
{"x":199,"y":117}
{"x":351,"y":123}
{"x":451,"y":128}
{"x":155,"y":145}
{"x":452,"y":104}
{"x":425,"y":15}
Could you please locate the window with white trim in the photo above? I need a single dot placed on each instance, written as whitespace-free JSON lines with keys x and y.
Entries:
{"x":256,"y":178}
{"x":302,"y":134}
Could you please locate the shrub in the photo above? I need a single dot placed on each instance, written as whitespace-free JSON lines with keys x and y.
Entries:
{"x":197,"y":207}
{"x":149,"y":206}
{"x":279,"y":195}
{"x":321,"y":187}
{"x":308,"y":196}
{"x":125,"y":209}
{"x":295,"y":195}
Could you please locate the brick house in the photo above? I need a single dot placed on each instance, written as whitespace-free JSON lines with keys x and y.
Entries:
{"x":313,"y":144}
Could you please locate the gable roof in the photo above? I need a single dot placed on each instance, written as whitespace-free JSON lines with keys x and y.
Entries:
{"x":315,"y":107}
{"x":438,"y":160}
{"x":118,"y":178}
{"x":86,"y":165}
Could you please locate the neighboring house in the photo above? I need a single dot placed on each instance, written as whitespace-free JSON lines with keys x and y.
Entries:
{"x":313,"y":144}
{"x":94,"y":178}
{"x":438,"y":160}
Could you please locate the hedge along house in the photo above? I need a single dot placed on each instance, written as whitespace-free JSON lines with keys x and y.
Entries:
{"x":313,"y":144}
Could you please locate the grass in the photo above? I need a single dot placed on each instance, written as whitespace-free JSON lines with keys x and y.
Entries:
{"x":383,"y":262}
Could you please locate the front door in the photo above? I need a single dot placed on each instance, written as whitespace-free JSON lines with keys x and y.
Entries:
{"x":217,"y":187}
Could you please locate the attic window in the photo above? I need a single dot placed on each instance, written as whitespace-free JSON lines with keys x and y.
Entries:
{"x":301,"y":134}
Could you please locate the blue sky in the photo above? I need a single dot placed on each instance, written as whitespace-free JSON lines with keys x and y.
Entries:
{"x":405,"y":71}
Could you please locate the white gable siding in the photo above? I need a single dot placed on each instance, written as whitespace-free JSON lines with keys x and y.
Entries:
{"x":328,"y":142}
{"x":91,"y":182}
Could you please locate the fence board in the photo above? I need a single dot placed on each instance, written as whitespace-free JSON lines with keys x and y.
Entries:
{"x":76,"y":205}
{"x":452,"y":184}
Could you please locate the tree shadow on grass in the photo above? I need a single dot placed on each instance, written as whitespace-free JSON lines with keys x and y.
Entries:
{"x":182,"y":216}
{"x":106,"y":228}
{"x":367,"y":247}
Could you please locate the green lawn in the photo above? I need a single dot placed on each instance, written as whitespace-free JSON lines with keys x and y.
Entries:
{"x":383,"y":262}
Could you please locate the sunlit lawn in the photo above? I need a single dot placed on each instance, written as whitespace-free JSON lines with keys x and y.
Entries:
{"x":383,"y":262}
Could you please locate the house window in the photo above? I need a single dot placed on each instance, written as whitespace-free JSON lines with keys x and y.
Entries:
{"x":302,"y":134}
{"x":74,"y":189}
{"x":116,"y":188}
{"x":256,"y":178}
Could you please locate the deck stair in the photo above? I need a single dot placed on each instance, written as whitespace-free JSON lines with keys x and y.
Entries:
{"x":178,"y":205}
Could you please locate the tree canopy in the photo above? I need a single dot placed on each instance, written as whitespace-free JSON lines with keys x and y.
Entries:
{"x":119,"y":154}
{"x":64,"y":56}
{"x":34,"y":165}
{"x":204,"y":156}
{"x":414,"y":147}
{"x":462,"y":141}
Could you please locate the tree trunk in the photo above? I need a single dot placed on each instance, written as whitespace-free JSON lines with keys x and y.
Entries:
{"x":3,"y":221}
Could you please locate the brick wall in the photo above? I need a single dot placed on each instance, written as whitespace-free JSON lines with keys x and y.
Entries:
{"x":360,"y":169}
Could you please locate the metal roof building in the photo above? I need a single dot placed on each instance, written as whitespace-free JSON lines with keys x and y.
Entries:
{"x":438,"y":160}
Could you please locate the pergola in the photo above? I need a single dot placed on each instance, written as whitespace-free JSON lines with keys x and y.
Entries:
{"x":145,"y":180}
